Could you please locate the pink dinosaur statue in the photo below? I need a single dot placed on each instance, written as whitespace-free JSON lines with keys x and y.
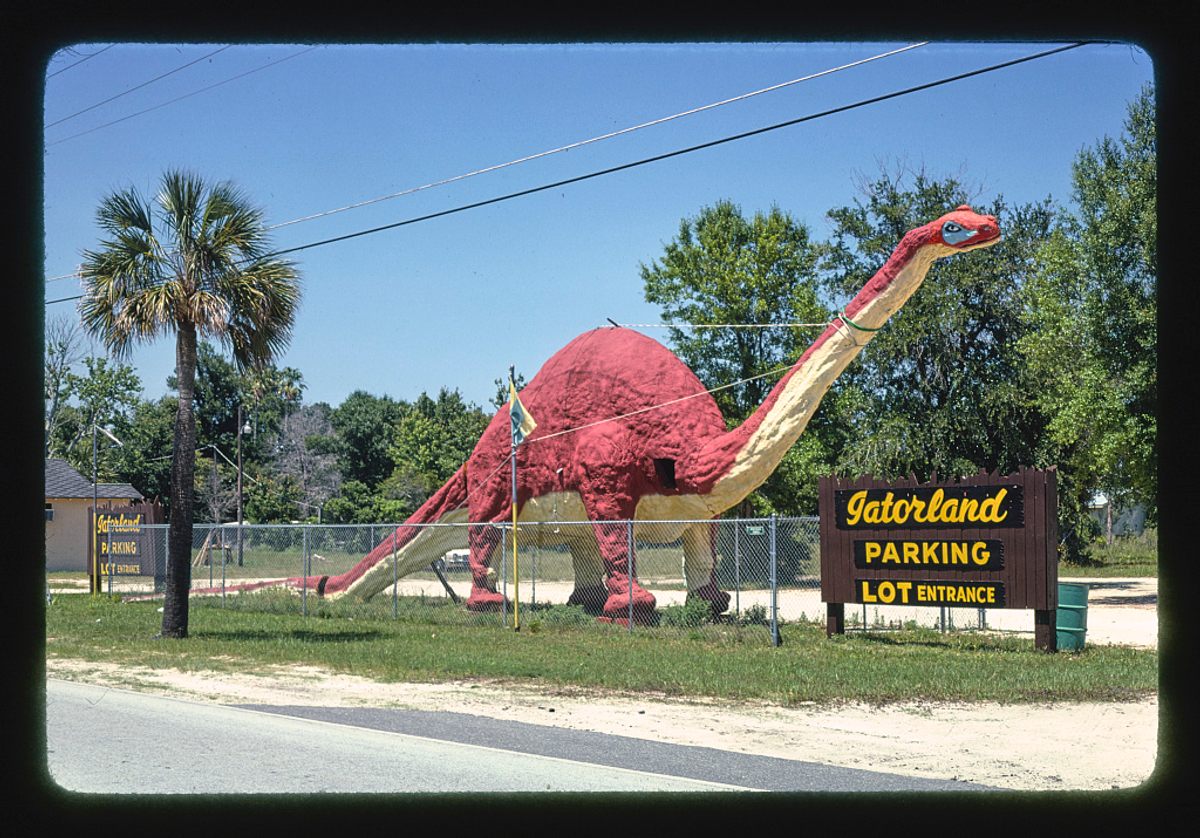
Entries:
{"x":626,"y":431}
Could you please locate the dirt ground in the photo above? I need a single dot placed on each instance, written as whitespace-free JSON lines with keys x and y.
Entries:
{"x":1060,"y":746}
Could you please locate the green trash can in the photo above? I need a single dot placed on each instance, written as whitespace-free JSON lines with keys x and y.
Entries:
{"x":1071,"y":620}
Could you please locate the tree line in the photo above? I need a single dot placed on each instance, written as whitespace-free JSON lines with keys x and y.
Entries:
{"x":1039,"y":351}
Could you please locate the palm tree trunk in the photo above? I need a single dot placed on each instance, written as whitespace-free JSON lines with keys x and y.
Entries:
{"x":183,"y":468}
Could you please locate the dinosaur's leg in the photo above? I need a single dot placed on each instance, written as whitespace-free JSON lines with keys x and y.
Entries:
{"x":613,"y":538}
{"x":482,"y":540}
{"x":700,"y":566}
{"x":590,"y":591}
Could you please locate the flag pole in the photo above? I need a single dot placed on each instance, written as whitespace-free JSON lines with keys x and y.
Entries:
{"x":516,"y":575}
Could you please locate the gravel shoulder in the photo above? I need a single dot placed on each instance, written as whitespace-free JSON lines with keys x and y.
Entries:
{"x":1040,"y":747}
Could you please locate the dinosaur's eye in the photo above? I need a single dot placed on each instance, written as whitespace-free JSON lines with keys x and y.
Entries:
{"x":955,"y":234}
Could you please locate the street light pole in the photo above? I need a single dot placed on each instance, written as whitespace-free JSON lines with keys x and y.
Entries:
{"x":95,"y":517}
{"x":95,"y":580}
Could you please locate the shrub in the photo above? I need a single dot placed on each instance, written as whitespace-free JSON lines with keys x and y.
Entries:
{"x":756,"y":615}
{"x":693,"y":613}
{"x":564,"y":615}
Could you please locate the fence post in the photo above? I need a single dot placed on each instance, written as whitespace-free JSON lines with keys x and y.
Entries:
{"x":223,"y":567}
{"x":503,"y":577}
{"x":395,"y":579}
{"x":775,"y":639}
{"x":737,"y":568}
{"x":304,"y":570}
{"x":629,"y":567}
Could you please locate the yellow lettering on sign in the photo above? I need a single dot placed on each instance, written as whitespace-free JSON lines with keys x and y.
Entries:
{"x":989,"y":510}
{"x":938,"y":510}
{"x":854,"y":507}
{"x":979,"y":553}
{"x":871,"y":551}
{"x":949,"y":512}
{"x":886,"y":592}
{"x":972,"y":594}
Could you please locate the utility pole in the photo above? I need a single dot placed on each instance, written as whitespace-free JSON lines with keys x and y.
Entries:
{"x":239,"y":484}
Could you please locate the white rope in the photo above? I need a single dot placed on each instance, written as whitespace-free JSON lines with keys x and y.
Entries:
{"x":534,"y":439}
{"x":775,"y":371}
{"x":723,"y":325}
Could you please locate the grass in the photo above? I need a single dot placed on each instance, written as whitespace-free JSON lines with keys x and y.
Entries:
{"x":1134,"y":555}
{"x":430,"y":642}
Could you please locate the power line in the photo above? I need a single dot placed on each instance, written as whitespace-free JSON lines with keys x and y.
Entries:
{"x":569,"y":147}
{"x":610,"y":135}
{"x":670,"y":154}
{"x":185,"y":96}
{"x":680,"y":152}
{"x":80,"y":61}
{"x":138,"y":87}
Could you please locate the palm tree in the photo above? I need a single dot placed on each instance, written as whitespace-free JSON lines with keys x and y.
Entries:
{"x":195,"y":263}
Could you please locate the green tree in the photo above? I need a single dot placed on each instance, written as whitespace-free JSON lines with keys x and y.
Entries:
{"x":357,"y":503}
{"x":942,"y":389}
{"x":433,"y":438}
{"x":502,"y":395}
{"x":106,"y":395}
{"x":194,"y":263}
{"x":365,"y":425}
{"x":145,"y":461}
{"x":1093,"y":305}
{"x":271,"y":498}
{"x":266,"y":395}
{"x":269,"y":397}
{"x":725,"y":270}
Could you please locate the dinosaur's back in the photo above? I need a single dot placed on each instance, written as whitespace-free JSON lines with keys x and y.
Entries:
{"x":612,"y":372}
{"x":602,"y":375}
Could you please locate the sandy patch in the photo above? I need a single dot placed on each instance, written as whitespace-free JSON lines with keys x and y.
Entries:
{"x":1084,"y":746}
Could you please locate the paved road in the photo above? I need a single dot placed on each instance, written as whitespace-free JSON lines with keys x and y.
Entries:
{"x":101,"y":740}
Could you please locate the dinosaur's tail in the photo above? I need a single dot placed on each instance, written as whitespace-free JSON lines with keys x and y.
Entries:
{"x":415,"y":543}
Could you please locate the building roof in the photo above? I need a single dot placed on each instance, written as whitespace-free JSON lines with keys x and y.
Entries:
{"x":62,"y":481}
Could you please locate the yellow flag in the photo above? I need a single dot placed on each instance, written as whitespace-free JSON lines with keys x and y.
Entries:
{"x":522,"y":420}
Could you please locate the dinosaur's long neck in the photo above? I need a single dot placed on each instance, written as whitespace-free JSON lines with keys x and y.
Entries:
{"x":730,"y":467}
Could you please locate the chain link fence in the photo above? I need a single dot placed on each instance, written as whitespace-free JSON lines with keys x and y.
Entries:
{"x":769,"y":568}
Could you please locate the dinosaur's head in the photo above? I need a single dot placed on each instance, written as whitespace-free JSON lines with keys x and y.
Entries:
{"x":963,"y":229}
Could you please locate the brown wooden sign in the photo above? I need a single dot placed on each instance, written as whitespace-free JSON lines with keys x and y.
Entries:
{"x":122,"y":546}
{"x":984,"y":541}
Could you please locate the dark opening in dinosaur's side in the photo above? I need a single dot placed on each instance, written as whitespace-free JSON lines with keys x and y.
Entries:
{"x":665,"y":470}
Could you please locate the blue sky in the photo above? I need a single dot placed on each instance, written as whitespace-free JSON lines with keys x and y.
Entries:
{"x":453,"y":301}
